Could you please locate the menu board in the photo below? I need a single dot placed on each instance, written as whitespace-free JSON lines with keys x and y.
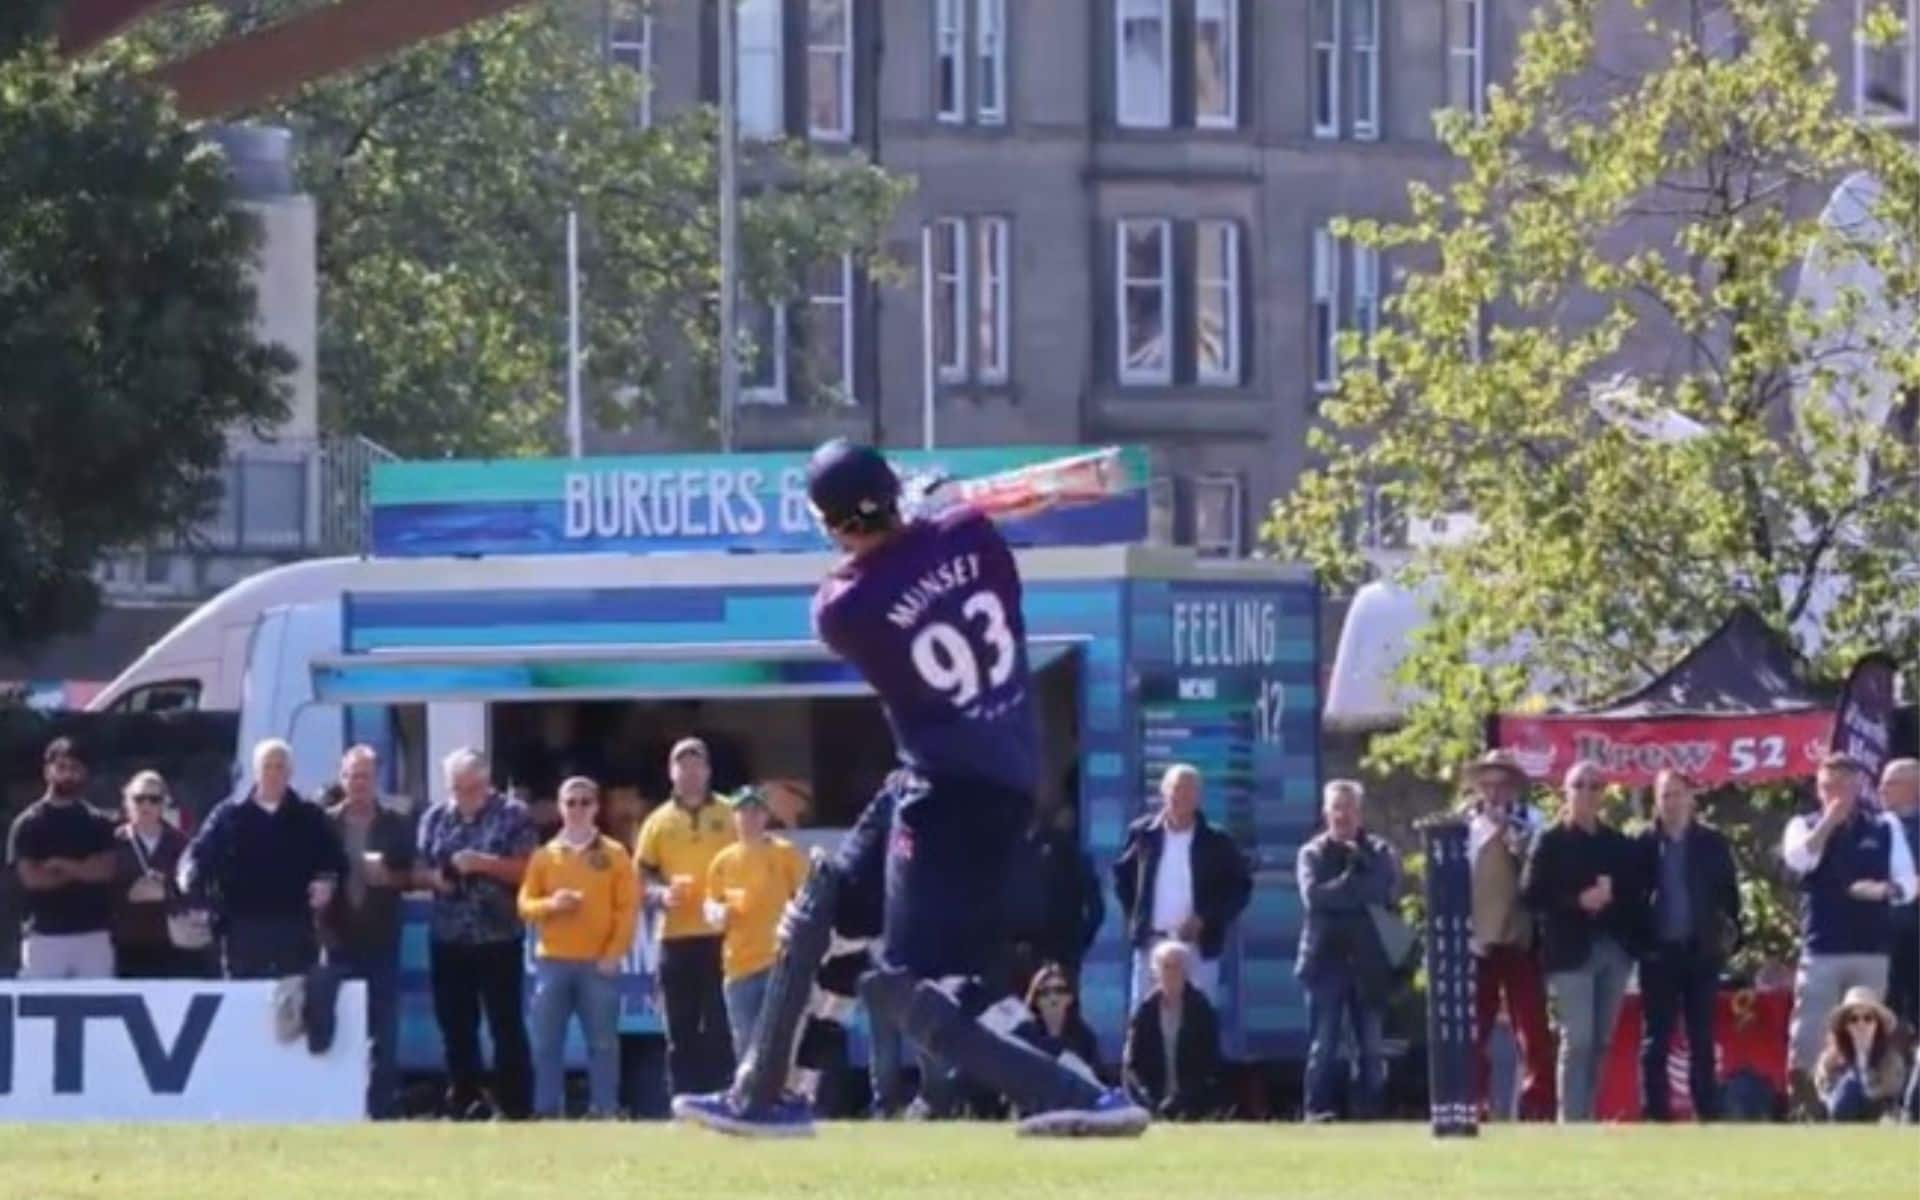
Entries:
{"x":1224,"y":680}
{"x":1212,"y":721}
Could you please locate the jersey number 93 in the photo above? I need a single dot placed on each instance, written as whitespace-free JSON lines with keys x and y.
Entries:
{"x":959,"y":660}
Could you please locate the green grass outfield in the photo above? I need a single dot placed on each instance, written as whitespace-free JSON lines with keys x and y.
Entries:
{"x":663,"y":1162}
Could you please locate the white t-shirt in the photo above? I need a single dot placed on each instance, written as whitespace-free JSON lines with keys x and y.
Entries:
{"x":1173,"y":882}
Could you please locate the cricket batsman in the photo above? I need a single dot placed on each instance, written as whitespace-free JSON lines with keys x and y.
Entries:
{"x":929,"y":611}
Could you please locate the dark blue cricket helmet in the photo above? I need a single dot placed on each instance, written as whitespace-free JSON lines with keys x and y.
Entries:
{"x":852,"y":485}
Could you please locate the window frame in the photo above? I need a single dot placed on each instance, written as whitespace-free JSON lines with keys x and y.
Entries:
{"x":1473,"y":51}
{"x":1324,"y":276}
{"x":992,"y":66}
{"x":1366,"y":61}
{"x":1162,"y":118}
{"x":1326,"y":64}
{"x":843,"y":77}
{"x":778,"y":393}
{"x":849,"y":391}
{"x":1365,"y":316}
{"x":617,"y":47}
{"x":1229,"y":284}
{"x":778,"y":56}
{"x":1229,"y":21}
{"x":950,"y":42}
{"x":1128,"y":375}
{"x":959,"y":328}
{"x":993,"y":276}
{"x":1163,"y":511}
{"x":1235,"y":489}
{"x":1910,"y":72}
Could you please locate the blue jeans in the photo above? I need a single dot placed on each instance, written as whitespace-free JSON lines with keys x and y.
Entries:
{"x":1334,"y":1004}
{"x":744,"y":998}
{"x":1849,"y":1102}
{"x":1587,"y":1000}
{"x":562,"y":989}
{"x":381,"y":973}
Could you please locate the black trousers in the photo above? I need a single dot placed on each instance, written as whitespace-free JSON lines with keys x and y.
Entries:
{"x":1903,"y":966}
{"x":165,"y":961}
{"x":269,"y":947}
{"x":1678,"y":983}
{"x":488,"y":978}
{"x":699,"y":1044}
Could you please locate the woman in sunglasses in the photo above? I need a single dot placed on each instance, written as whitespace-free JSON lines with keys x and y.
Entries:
{"x":149,"y":849}
{"x":1056,"y":1025}
{"x":1861,"y":1069}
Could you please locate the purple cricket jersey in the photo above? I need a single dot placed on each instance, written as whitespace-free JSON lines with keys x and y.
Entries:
{"x":932,"y":620}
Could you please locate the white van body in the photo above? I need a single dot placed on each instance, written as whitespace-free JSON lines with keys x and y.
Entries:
{"x":252,"y":648}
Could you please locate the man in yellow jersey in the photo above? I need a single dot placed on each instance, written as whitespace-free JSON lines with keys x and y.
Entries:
{"x":676,"y":849}
{"x":749,"y":886}
{"x":580,"y":893}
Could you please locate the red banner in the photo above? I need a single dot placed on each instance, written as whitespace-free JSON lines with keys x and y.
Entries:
{"x":1750,"y":1034}
{"x":1765,"y":748}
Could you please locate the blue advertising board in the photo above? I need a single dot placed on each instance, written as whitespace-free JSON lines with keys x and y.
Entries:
{"x":729,"y":503}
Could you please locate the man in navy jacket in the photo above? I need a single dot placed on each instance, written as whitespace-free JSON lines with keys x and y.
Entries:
{"x":1178,"y":877}
{"x":268,"y":862}
{"x":1853,"y":866}
{"x":1687,"y":895}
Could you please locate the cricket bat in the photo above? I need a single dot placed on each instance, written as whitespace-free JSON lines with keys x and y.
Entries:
{"x":1036,"y":488}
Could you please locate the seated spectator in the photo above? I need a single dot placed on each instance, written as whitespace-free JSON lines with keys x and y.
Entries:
{"x":1172,"y":1054}
{"x":749,"y":884}
{"x":1056,"y":1025}
{"x":581,"y":894}
{"x":1861,"y":1070}
{"x":145,"y":895}
{"x":265,"y":863}
{"x":1910,"y":1107}
{"x":65,"y":855}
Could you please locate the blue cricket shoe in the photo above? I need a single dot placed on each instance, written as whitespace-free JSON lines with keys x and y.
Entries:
{"x":1114,"y":1115}
{"x":790,"y":1117}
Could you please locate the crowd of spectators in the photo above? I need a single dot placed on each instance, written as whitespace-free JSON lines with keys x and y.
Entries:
{"x":1565,"y":912}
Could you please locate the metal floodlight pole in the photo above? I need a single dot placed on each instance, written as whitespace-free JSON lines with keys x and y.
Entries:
{"x":729,"y":223}
{"x":927,"y":375}
{"x":575,"y":423}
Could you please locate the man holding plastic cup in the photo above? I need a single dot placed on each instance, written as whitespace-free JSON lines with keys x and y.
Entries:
{"x":750,"y":884}
{"x":677,"y":846}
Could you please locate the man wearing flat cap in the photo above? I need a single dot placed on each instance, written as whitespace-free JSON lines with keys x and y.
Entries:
{"x":1500,"y":830}
{"x":1852,"y":865}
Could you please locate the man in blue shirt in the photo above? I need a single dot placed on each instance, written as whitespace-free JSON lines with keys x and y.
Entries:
{"x":929,"y":611}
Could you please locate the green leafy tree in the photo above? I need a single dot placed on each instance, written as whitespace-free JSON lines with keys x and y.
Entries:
{"x":1638,"y":218}
{"x":443,"y":176}
{"x":127,"y":344}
